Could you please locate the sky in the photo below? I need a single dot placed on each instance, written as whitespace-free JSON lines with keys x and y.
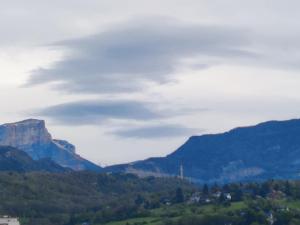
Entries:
{"x":132,"y":79}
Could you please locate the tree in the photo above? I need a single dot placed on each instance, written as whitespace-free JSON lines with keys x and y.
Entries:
{"x":222,"y":198}
{"x":287,"y":188}
{"x":265,"y":189}
{"x":139,"y":200}
{"x":205,"y":190}
{"x":179,"y":196}
{"x":226,"y":188}
{"x":238,"y":195}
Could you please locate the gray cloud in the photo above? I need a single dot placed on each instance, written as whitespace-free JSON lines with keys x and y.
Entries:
{"x":91,"y":112}
{"x":126,"y":58}
{"x":158,"y":131}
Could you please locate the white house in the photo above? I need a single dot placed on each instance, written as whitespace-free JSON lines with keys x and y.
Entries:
{"x":228,"y":196}
{"x":9,"y":221}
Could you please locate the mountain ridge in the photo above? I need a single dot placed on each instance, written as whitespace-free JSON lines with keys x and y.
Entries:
{"x":264,"y":151}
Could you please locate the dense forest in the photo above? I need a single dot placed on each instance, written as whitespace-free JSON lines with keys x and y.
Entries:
{"x":76,"y":198}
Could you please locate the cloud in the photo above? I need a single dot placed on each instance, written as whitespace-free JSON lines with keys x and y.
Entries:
{"x":158,"y":131}
{"x":128,"y":58}
{"x":96,"y":111}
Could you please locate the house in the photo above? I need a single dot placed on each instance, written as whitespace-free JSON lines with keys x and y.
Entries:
{"x":207,"y":200}
{"x":165,"y":201}
{"x":195,"y":198}
{"x":228,"y":196}
{"x":6,"y":220}
{"x":270,"y":218}
{"x":217,"y":194}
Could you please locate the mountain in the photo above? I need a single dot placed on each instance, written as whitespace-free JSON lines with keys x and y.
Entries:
{"x":269,"y":150}
{"x":32,"y":137}
{"x":12,"y":159}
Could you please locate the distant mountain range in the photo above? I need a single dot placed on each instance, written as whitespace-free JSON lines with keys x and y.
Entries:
{"x":12,"y":159}
{"x":32,"y":137}
{"x":269,"y":150}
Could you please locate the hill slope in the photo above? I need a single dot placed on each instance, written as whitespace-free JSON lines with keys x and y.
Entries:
{"x":12,"y":159}
{"x":48,"y":198}
{"x":33,"y":137}
{"x":267,"y":150}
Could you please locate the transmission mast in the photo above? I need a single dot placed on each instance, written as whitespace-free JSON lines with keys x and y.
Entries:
{"x":181,"y":175}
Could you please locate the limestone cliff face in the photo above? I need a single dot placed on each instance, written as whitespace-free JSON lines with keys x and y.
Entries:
{"x":33,"y":137}
{"x":24,"y":134}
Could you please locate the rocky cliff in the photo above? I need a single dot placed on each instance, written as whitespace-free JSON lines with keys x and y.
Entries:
{"x":33,"y":137}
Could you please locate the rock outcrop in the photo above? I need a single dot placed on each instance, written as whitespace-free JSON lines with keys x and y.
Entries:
{"x":33,"y":137}
{"x":25,"y":134}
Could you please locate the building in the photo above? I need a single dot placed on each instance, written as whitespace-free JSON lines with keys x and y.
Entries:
{"x":228,"y":196}
{"x":271,"y":218}
{"x":5,"y":220}
{"x":195,"y":198}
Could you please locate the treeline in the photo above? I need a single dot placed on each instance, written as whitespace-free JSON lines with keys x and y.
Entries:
{"x":271,"y":188}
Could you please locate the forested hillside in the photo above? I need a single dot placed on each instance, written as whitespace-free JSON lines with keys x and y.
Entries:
{"x":75,"y":197}
{"x":12,"y":159}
